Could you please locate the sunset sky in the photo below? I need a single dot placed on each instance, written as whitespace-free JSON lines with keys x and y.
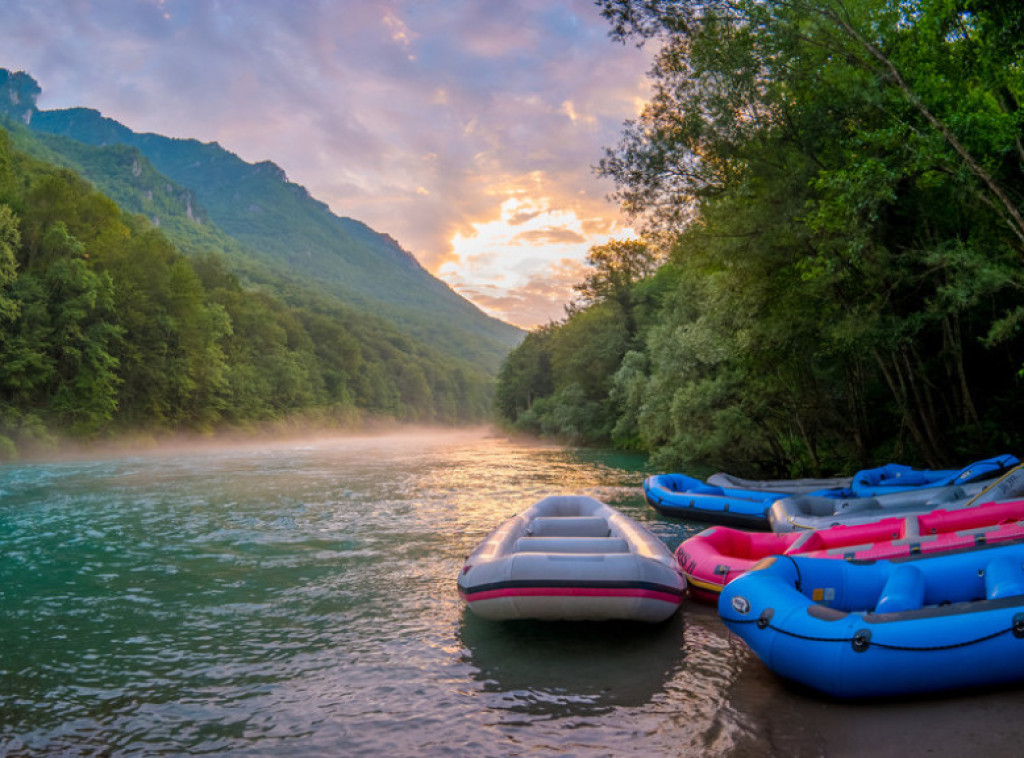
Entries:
{"x":466,"y":129}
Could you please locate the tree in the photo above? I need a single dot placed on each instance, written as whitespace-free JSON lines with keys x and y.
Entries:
{"x":844,"y":173}
{"x":616,"y":267}
{"x":10,"y":240}
{"x":77,"y":335}
{"x":525,"y":375}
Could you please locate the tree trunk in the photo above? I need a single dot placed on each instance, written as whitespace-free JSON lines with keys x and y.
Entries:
{"x":1015,"y":220}
{"x":897,"y":385}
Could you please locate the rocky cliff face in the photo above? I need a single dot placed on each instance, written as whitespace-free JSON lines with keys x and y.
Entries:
{"x":18,"y":94}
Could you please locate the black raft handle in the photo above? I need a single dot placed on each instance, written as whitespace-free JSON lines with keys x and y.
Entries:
{"x":861,"y":640}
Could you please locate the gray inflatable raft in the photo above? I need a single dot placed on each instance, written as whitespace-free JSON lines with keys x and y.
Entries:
{"x":791,"y":514}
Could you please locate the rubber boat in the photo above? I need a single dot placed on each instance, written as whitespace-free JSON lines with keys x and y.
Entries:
{"x":997,"y":478}
{"x":685,"y":497}
{"x":571,"y":557}
{"x":789,"y":486}
{"x":924,"y":623}
{"x":719,"y":502}
{"x":718,"y":555}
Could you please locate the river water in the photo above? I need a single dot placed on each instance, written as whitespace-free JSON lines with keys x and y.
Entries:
{"x":299,"y":599}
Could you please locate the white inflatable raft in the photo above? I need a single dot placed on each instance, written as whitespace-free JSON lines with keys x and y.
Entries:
{"x":573,"y":558}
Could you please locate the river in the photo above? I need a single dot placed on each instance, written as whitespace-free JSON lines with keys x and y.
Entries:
{"x":298,"y":599}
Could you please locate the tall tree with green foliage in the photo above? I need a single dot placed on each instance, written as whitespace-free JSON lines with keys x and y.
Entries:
{"x":615,"y":267}
{"x":842,"y":181}
{"x":10,"y":240}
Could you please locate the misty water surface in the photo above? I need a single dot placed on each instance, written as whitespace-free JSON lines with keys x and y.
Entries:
{"x":299,"y":598}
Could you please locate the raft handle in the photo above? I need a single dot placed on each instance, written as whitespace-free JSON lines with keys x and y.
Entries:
{"x":861,"y":640}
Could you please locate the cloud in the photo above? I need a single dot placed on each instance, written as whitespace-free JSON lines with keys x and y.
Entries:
{"x":522,"y":218}
{"x":538,"y":300}
{"x":521,"y":266}
{"x":550,"y":235}
{"x":422,"y":119}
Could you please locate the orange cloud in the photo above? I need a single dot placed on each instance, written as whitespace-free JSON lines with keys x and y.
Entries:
{"x":521,"y":267}
{"x":551,"y":235}
{"x":422,"y":120}
{"x":537,"y":301}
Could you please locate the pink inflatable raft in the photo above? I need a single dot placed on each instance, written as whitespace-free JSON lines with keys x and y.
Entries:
{"x":714,"y":557}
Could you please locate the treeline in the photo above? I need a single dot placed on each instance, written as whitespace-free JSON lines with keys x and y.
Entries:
{"x":835,"y":188}
{"x":106,"y":327}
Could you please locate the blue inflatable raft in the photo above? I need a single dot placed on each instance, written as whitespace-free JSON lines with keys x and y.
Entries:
{"x":885,"y":628}
{"x":719,"y":502}
{"x":684,"y":497}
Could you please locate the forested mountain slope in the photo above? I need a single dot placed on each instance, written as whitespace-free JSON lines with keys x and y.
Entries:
{"x":107,"y":326}
{"x":271,"y":221}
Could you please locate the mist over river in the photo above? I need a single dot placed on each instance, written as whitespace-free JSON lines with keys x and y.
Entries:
{"x":299,"y":599}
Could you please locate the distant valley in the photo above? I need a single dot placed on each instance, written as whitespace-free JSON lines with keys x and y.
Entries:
{"x":209,"y":291}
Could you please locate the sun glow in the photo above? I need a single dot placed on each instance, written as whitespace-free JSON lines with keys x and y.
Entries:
{"x":521,"y":267}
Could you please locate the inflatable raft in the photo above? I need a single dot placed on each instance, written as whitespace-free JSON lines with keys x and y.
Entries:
{"x":888,"y":478}
{"x":684,"y":497}
{"x":997,"y":478}
{"x":729,"y":500}
{"x":718,"y":555}
{"x":572,"y":558}
{"x":788,"y":486}
{"x":885,"y":628}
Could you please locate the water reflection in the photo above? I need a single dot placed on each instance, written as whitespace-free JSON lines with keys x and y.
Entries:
{"x":556,"y":669}
{"x":301,"y":600}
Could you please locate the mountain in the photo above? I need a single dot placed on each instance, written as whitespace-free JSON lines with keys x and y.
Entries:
{"x":109,"y":327}
{"x":270,"y":228}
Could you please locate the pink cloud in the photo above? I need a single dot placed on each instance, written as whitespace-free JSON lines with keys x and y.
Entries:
{"x":418,"y":119}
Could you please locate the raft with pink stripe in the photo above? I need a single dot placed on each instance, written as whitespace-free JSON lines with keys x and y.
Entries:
{"x":714,"y":557}
{"x":572,"y":558}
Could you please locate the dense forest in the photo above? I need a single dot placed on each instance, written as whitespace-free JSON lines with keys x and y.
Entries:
{"x":271,"y":231}
{"x":107,"y":326}
{"x":831,"y":194}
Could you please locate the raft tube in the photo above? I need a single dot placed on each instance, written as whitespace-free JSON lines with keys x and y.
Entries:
{"x":572,"y":558}
{"x":919,"y":624}
{"x":684,"y":497}
{"x":728,"y":500}
{"x":718,"y":555}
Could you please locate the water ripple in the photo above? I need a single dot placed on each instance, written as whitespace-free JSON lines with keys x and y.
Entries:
{"x":299,"y":599}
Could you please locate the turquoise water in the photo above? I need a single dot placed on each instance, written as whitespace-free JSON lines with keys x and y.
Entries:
{"x":299,"y":599}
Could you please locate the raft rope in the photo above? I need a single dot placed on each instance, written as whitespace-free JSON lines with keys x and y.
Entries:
{"x":796,"y":568}
{"x":862,"y":640}
{"x":859,"y":640}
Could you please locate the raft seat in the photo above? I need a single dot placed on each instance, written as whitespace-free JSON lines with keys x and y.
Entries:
{"x":903,"y":591}
{"x":568,"y":526}
{"x":1003,"y":578}
{"x":918,"y":540}
{"x":575,"y":545}
{"x":948,"y":495}
{"x":911,"y":528}
{"x":857,"y":505}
